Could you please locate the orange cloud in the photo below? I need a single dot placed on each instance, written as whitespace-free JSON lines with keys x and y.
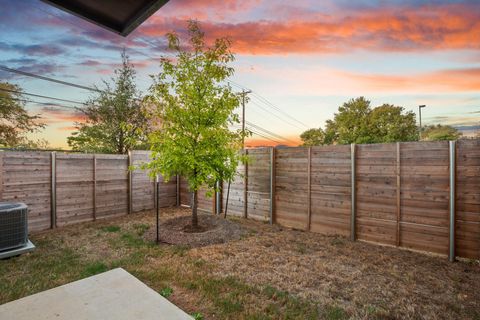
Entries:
{"x":67,"y":128}
{"x":439,"y":81}
{"x":51,"y":115}
{"x":450,"y":26}
{"x":262,"y":142}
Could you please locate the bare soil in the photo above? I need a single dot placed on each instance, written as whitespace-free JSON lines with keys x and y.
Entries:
{"x":211,"y":230}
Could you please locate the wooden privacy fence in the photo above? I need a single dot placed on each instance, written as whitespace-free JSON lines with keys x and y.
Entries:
{"x":417,"y":195}
{"x":62,"y":188}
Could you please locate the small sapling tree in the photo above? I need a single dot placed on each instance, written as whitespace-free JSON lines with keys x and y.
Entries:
{"x":194,"y":106}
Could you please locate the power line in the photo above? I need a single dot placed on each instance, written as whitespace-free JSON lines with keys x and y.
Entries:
{"x":270,"y":105}
{"x":268,"y":132}
{"x":41,"y":96}
{"x":45,"y":103}
{"x":258,"y":96}
{"x":276,"y":115}
{"x":259,"y":134}
{"x":263,"y":136}
{"x":28,"y":74}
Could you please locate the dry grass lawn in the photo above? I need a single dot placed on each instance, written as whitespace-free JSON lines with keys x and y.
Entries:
{"x":270,"y":273}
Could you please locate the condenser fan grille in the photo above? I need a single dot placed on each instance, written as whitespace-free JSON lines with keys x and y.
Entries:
{"x":13,"y":226}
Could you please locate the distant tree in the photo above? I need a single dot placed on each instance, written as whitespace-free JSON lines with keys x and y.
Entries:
{"x":15,"y":121}
{"x":351,"y":124}
{"x":357,"y":122}
{"x":440,"y":132}
{"x":313,"y":137}
{"x":195,"y":105}
{"x":116,"y":120}
{"x":389,"y":123}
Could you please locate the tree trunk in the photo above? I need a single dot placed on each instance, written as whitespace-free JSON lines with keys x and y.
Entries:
{"x":194,"y":209}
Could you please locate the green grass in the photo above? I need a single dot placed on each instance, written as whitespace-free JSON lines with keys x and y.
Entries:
{"x":93,"y":269}
{"x":59,"y":260}
{"x":335,"y":313}
{"x":166,"y":292}
{"x":141,"y":228}
{"x":197,"y":316}
{"x":111,"y":229}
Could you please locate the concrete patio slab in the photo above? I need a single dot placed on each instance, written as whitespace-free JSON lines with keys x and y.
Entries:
{"x":113,"y":295}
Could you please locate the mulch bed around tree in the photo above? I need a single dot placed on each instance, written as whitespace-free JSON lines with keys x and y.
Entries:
{"x":213,"y":230}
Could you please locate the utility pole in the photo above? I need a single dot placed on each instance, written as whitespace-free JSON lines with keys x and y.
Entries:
{"x":420,"y":117}
{"x":244,"y":93}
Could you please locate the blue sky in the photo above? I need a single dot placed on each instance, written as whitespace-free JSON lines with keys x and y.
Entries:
{"x":304,"y":57}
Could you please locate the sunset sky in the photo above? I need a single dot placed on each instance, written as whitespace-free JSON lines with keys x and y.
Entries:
{"x":304,"y":57}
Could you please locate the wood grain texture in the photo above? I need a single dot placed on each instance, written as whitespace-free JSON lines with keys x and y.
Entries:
{"x":402,"y":194}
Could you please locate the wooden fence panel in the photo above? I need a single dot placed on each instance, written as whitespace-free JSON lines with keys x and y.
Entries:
{"x":236,"y":195}
{"x":167,"y":192}
{"x":258,"y":182}
{"x":205,"y":202}
{"x":330,"y":189}
{"x":291,"y":184}
{"x":111,"y":190}
{"x":468,"y":199}
{"x":376,"y":193}
{"x":425,"y":196}
{"x":74,"y":188}
{"x":25,"y":177}
{"x":142,"y":184}
{"x":185,"y":194}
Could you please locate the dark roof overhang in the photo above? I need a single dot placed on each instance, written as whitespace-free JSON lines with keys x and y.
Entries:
{"x":119,"y":16}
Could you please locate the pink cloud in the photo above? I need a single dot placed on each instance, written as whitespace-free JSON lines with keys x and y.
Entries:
{"x":451,"y":26}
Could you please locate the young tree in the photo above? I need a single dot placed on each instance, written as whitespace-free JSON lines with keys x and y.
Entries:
{"x":440,"y":133}
{"x":115,"y":121}
{"x":195,"y":108}
{"x":15,"y":122}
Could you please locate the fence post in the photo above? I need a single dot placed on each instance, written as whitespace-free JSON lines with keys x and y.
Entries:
{"x":452,"y":149}
{"x":353,"y":191}
{"x":53,"y":190}
{"x":94,"y":187}
{"x":399,"y":208}
{"x":272,"y":184}
{"x":130,"y":177}
{"x":245,"y":189}
{"x":309,"y":188}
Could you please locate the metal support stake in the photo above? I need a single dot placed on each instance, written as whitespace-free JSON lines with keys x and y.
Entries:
{"x":309,"y":187}
{"x":399,"y":207}
{"x":178,"y":190}
{"x":218,"y":198}
{"x":53,"y":190}
{"x":157,"y":208}
{"x":155,"y":192}
{"x":353,"y":191}
{"x":245,"y":189}
{"x":452,"y":147}
{"x":94,"y":187}
{"x":272,"y":183}
{"x":130,"y":178}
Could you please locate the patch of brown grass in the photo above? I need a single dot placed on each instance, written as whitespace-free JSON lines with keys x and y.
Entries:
{"x":268,"y":273}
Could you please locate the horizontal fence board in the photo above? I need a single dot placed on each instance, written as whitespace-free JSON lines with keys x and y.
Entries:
{"x":401,"y":199}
